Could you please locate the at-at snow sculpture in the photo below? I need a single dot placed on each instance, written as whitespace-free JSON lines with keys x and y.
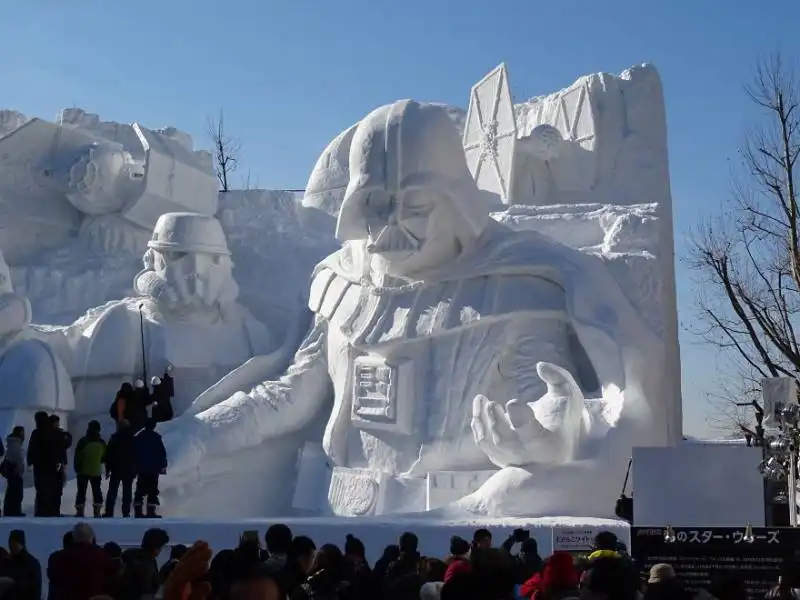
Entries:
{"x":32,"y":377}
{"x":105,"y":181}
{"x":445,"y":344}
{"x":185,"y":314}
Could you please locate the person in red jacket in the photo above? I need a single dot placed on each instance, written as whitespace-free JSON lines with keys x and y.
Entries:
{"x":558,"y":580}
{"x":83,"y":570}
{"x":458,"y":561}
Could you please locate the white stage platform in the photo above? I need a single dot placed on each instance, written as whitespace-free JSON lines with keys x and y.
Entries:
{"x":44,"y":535}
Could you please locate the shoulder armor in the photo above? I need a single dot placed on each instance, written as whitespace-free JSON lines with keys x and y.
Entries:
{"x":106,"y":346}
{"x":327,"y":291}
{"x":33,"y":377}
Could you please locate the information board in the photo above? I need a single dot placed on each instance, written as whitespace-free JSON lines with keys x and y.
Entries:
{"x":700,"y":555}
{"x":575,"y":540}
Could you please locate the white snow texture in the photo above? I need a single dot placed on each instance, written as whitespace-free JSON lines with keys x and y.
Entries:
{"x":465,"y":333}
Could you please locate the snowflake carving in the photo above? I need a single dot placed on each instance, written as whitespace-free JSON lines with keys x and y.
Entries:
{"x":488,"y":143}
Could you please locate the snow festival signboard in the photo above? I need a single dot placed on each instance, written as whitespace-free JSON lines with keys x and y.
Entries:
{"x":576,"y":540}
{"x":701,"y":555}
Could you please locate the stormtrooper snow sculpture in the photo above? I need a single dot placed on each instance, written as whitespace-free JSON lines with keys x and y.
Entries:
{"x":31,"y":375}
{"x":442,"y":342}
{"x":185,"y":315}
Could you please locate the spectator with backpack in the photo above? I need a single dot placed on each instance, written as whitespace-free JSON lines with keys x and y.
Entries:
{"x":13,"y":469}
{"x":130,"y":406}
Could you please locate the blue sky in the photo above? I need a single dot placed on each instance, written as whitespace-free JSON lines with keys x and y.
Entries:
{"x":291,"y":74}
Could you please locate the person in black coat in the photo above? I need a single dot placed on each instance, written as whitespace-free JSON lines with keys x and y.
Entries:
{"x":64,"y":442}
{"x":408,"y":560}
{"x":120,"y":469}
{"x":151,"y":462}
{"x":23,"y":568}
{"x":528,"y":562}
{"x":44,"y":455}
{"x":67,"y":541}
{"x":140,"y":577}
{"x":130,"y":405}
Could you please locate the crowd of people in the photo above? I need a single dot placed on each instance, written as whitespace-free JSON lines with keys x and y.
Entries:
{"x":289,"y":567}
{"x":135,"y":452}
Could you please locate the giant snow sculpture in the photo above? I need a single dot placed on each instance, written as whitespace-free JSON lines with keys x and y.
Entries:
{"x":108,"y":180}
{"x":589,"y":168}
{"x":79,"y":198}
{"x":446,"y":346}
{"x":32,"y":377}
{"x":185,"y":315}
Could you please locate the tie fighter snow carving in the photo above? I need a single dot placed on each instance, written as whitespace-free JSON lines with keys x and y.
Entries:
{"x":490,"y":134}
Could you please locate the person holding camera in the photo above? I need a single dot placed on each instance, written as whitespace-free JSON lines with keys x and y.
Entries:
{"x":527,"y":562}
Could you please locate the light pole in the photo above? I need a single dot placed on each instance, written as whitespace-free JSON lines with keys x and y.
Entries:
{"x":780,"y":462}
{"x":757,"y":438}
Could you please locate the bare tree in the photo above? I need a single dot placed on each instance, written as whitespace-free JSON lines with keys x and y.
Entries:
{"x":248,"y":182}
{"x":747,"y":261}
{"x":226,"y":150}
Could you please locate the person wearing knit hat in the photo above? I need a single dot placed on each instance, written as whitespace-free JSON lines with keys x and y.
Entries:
{"x":458,"y":561}
{"x":559,"y":579}
{"x":606,"y":545}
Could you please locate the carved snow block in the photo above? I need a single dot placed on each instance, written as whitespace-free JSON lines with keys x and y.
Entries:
{"x":364,"y":492}
{"x":176,"y":179}
{"x":383,"y":395}
{"x":33,"y":210}
{"x":615,"y":150}
{"x":357,"y":492}
{"x":445,"y":487}
{"x":490,"y":133}
{"x":570,"y":111}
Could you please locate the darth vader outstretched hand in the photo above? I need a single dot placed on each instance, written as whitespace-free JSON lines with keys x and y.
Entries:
{"x":549,"y":430}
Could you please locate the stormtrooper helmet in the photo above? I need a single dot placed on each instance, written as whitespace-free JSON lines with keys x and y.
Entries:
{"x":189,"y":233}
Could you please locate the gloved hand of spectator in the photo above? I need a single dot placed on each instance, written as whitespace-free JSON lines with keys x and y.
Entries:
{"x":520,"y":535}
{"x":181,"y":584}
